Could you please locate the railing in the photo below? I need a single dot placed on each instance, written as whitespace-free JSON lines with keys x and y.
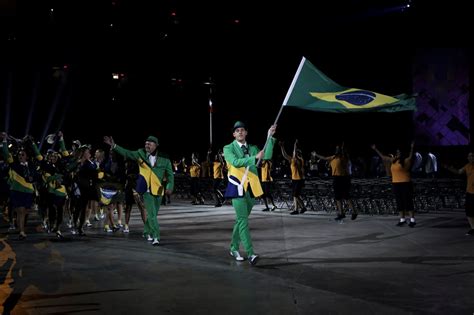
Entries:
{"x":370,"y":196}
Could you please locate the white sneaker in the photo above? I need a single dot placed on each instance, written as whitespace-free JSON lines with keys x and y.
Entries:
{"x":236,"y":255}
{"x":126,"y":229}
{"x":156,"y":242}
{"x":149,"y":239}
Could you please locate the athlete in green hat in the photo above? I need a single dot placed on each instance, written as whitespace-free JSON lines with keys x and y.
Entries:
{"x":242,"y":160}
{"x":153,"y":168}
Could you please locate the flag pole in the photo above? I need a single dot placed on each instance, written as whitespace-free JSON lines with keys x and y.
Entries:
{"x":210,"y":123}
{"x":292,"y":86}
{"x":290,"y":90}
{"x":210,"y":83}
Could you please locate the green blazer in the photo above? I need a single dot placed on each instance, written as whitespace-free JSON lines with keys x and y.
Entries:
{"x":150,"y":177}
{"x":237,"y":162}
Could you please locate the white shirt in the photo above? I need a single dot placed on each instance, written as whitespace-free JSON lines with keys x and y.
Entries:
{"x":431,"y":165}
{"x":241,"y":144}
{"x":152,"y":159}
{"x":417,"y":163}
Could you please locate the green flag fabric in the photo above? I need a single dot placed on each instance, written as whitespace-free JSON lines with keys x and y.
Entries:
{"x":313,"y":90}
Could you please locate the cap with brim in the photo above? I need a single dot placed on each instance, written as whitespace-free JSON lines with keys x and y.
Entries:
{"x":84,"y":147}
{"x":152,"y":139}
{"x":239,"y":124}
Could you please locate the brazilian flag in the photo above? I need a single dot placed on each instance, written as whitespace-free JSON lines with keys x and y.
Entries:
{"x":313,"y":90}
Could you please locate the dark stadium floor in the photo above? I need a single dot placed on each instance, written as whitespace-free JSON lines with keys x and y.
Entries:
{"x":309,"y":265}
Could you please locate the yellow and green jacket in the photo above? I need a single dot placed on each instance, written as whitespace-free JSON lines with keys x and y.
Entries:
{"x":51,"y":176}
{"x":237,"y":162}
{"x":150,"y":178}
{"x":21,"y":177}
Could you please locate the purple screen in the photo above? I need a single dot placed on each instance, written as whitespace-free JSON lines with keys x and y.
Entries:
{"x":441,"y":79}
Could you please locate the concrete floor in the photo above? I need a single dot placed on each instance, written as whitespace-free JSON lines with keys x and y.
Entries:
{"x":310,"y":265}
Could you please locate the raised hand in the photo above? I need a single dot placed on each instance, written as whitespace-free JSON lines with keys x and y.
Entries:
{"x":272,"y":130}
{"x":109,"y":140}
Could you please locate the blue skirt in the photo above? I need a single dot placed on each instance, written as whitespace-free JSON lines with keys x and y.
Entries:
{"x":20,"y":199}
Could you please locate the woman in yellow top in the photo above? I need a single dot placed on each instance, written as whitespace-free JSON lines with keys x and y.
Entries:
{"x":195,"y":172}
{"x":218,"y":176}
{"x":339,"y":163}
{"x":401,"y":183}
{"x":297,"y":176}
{"x":468,"y":169}
{"x":267,"y":185}
{"x":206,"y":165}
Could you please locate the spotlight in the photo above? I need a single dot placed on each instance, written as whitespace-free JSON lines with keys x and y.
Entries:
{"x":115,"y":76}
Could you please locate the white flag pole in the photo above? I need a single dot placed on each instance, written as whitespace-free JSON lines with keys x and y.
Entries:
{"x":290,"y":90}
{"x":292,"y":86}
{"x":210,"y":83}
{"x":210,"y":122}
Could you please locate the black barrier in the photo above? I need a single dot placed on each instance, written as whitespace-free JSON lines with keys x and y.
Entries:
{"x":371,"y":196}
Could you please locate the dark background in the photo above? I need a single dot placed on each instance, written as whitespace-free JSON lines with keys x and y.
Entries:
{"x":166,"y":50}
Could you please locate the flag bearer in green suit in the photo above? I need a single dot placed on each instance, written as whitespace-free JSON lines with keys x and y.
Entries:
{"x":239,"y":155}
{"x":152,"y":169}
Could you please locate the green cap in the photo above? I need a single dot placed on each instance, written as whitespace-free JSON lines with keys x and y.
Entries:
{"x":152,"y":139}
{"x":239,"y":124}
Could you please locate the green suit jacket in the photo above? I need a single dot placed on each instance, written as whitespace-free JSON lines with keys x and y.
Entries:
{"x":237,"y":162}
{"x":150,"y":177}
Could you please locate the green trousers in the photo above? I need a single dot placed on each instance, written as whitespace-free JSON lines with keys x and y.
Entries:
{"x":152,"y":206}
{"x":243,"y":207}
